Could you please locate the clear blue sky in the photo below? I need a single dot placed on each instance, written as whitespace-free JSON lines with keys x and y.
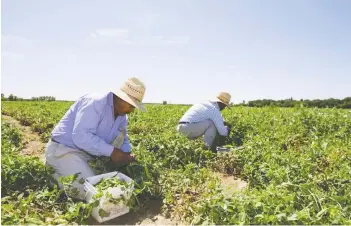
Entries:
{"x":185,"y":51}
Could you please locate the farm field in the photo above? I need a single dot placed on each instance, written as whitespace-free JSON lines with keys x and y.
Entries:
{"x":296,"y":163}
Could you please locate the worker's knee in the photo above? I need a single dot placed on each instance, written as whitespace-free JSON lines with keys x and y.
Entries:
{"x":69,"y":164}
{"x":211,"y":130}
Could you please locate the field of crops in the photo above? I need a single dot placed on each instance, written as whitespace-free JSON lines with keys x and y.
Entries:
{"x":297,"y":162}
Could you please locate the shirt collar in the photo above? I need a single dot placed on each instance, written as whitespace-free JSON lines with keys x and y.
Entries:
{"x":215,"y":104}
{"x":110,"y":99}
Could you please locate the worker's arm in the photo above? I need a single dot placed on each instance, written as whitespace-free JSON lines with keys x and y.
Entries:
{"x":219,"y":123}
{"x":126,"y":146}
{"x":84,"y":130}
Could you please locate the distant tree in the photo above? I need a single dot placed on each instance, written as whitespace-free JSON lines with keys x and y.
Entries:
{"x":346,"y":103}
{"x":51,"y":98}
{"x":164,"y":102}
{"x":3,"y":97}
{"x":43,"y":98}
{"x":12,"y":97}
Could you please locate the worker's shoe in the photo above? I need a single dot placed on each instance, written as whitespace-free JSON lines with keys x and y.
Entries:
{"x":222,"y":149}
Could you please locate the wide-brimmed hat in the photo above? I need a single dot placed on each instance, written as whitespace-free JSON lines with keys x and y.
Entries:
{"x":132,"y":91}
{"x":224,"y":98}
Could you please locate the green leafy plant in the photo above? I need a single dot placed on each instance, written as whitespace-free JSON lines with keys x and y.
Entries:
{"x":296,"y":162}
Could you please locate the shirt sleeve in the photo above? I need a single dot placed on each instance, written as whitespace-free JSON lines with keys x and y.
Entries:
{"x":219,"y":123}
{"x":84,"y":129}
{"x":126,"y":146}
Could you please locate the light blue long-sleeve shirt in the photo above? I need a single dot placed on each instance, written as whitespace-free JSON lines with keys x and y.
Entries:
{"x":89,"y":125}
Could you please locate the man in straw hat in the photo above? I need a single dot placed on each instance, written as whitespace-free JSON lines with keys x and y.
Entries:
{"x":206,"y":119}
{"x":95,"y":125}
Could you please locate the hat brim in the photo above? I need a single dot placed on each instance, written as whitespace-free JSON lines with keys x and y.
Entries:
{"x":218,"y":100}
{"x":130,"y":100}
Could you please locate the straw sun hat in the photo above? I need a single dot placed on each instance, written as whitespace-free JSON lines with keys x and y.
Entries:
{"x":224,"y":98}
{"x":132,"y":91}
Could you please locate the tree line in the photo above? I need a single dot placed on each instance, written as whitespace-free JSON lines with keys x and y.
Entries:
{"x":12,"y":97}
{"x":325,"y":103}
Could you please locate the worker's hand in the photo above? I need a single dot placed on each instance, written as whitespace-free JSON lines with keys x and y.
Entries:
{"x":133,"y":157}
{"x":121,"y":158}
{"x":228,"y":126}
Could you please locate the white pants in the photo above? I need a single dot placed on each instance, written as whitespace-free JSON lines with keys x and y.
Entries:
{"x":69,"y":161}
{"x":195,"y":130}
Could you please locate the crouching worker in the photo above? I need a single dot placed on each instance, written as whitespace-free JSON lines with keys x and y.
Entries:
{"x":205,"y":119}
{"x":95,"y":125}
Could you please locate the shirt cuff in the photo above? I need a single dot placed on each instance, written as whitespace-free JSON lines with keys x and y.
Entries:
{"x":126,"y":148}
{"x":107,"y":149}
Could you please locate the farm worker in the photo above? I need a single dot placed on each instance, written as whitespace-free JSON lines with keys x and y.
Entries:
{"x":205,"y":119}
{"x":95,"y":125}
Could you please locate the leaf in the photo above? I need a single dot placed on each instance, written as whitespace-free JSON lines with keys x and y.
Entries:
{"x":33,"y":221}
{"x":259,"y":216}
{"x":96,"y":203}
{"x":7,"y":207}
{"x":322,"y":212}
{"x":281,"y":215}
{"x":292,"y":217}
{"x":196,"y":220}
{"x":103,"y":213}
{"x":259,"y":204}
{"x":225,"y":207}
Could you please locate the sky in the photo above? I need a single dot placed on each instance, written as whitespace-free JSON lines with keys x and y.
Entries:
{"x":185,"y":51}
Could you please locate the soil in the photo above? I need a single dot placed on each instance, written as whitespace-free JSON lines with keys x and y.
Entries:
{"x":231,"y":184}
{"x":31,"y":140}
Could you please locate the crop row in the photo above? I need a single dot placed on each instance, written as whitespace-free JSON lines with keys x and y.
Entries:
{"x":297,"y":162}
